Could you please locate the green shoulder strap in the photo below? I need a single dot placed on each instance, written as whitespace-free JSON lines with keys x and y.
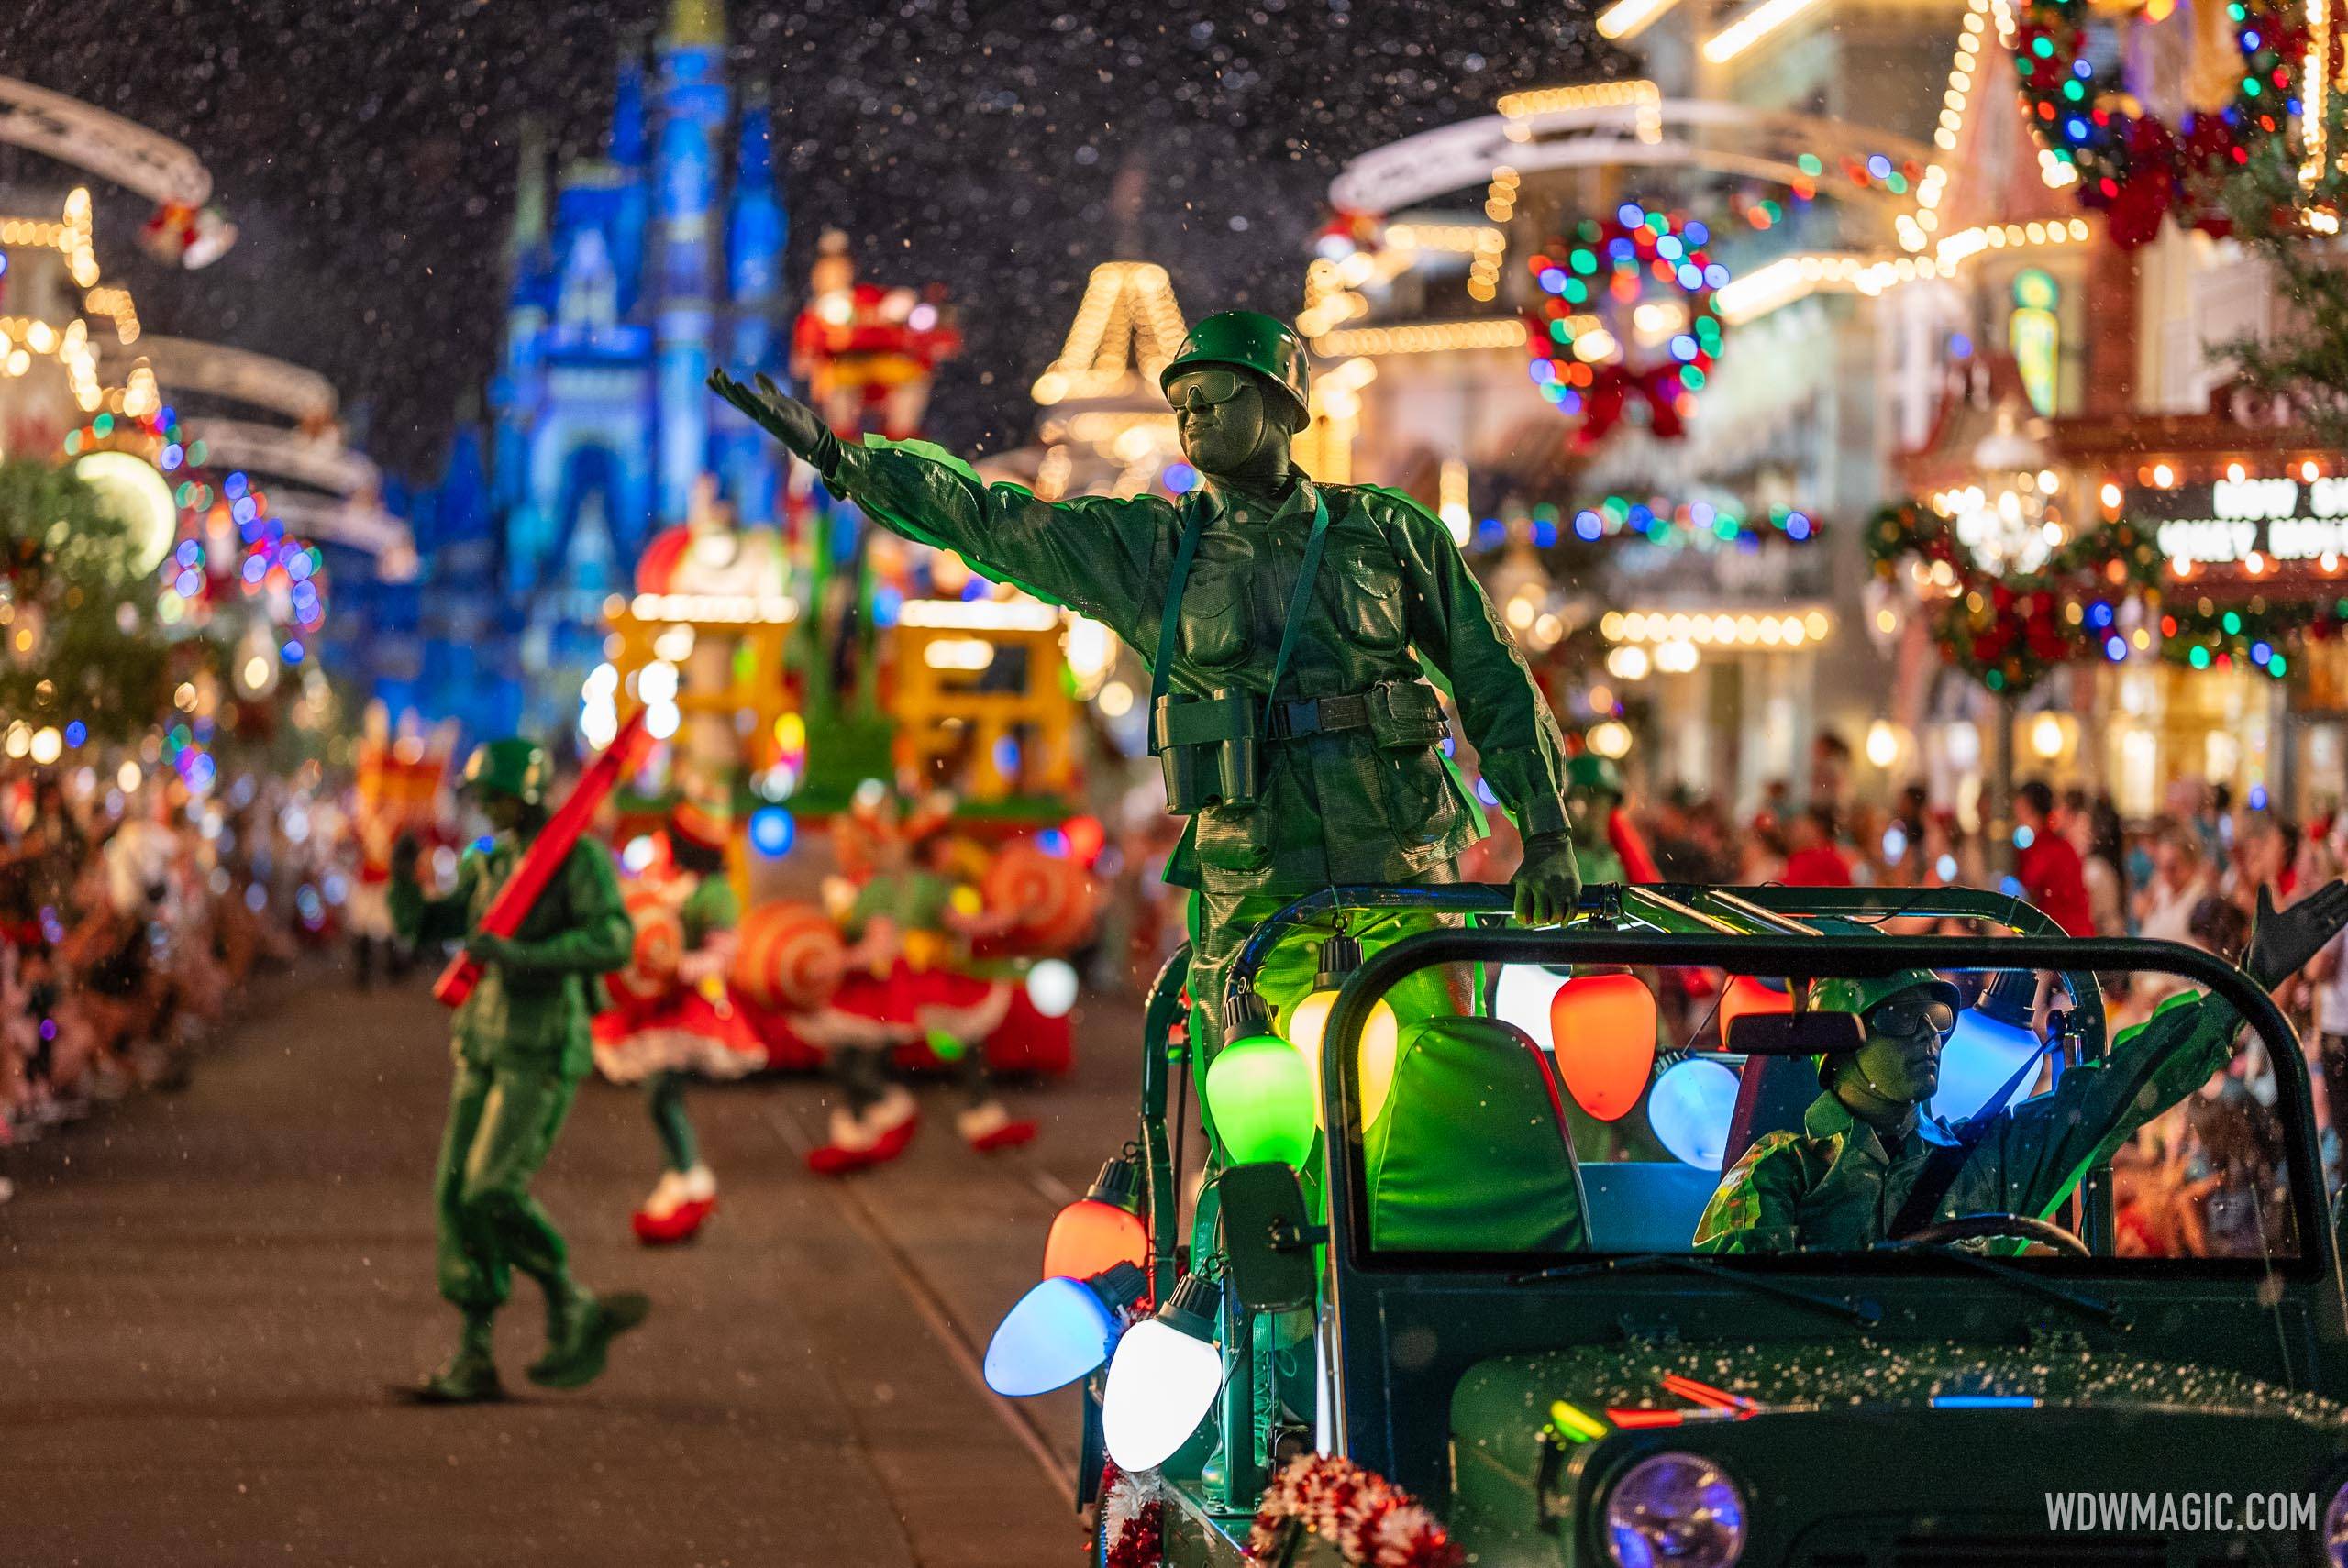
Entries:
{"x":1169,"y":619}
{"x":1299,"y":599}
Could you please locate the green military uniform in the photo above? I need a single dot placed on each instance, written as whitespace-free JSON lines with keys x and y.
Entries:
{"x":1373,"y":801}
{"x":1835,"y":1186}
{"x":521,"y":1044}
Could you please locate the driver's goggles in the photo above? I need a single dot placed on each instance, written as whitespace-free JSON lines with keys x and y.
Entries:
{"x":1205,"y":389}
{"x":1903,"y":1018}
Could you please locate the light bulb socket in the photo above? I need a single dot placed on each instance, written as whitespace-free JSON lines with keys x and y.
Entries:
{"x":1243,"y":1015}
{"x":1119,"y":1185}
{"x":1193,"y":1307}
{"x":1119,"y":1286}
{"x":2010,"y":997}
{"x":1340,"y":956}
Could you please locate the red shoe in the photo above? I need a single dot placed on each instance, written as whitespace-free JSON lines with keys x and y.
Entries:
{"x":989,"y":1128}
{"x":678,"y":1208}
{"x":859,"y":1142}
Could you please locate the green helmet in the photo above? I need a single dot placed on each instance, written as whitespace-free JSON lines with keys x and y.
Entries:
{"x":1593,"y":774}
{"x":1841,"y":993}
{"x":1251,"y":341}
{"x":511,"y":766}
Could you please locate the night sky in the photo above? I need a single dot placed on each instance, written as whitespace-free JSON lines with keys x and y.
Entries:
{"x":367,"y":148}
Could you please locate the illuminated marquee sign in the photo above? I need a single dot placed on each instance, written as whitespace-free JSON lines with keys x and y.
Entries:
{"x":2232,"y":520}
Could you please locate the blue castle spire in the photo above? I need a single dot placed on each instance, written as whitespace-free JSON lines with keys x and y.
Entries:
{"x":756,"y":231}
{"x":693,"y":106}
{"x":632,"y":210}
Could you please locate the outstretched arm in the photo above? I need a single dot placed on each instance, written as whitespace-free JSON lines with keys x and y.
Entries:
{"x":1096,"y":554}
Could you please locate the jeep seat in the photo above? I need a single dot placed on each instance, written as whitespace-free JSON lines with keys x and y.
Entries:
{"x":1471,"y":1154}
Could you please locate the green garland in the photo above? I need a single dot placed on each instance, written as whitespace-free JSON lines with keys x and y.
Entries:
{"x":2008,"y":632}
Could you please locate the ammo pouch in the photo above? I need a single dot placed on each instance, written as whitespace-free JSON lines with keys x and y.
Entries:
{"x":1209,"y":749}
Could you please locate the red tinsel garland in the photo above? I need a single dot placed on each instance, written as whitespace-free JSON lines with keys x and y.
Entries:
{"x":1133,"y":1521}
{"x":1372,"y":1523}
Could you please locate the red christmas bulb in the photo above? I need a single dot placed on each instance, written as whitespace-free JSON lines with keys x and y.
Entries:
{"x":1101,"y":1228}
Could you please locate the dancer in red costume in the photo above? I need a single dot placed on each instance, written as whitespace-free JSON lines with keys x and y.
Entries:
{"x":907,"y":983}
{"x":673,"y":1019}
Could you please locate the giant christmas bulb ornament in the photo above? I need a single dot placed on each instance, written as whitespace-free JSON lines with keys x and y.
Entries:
{"x":1102,"y":1229}
{"x":1164,"y":1377}
{"x":1991,"y":1040}
{"x":1522,"y":996}
{"x":1750,"y":994}
{"x":1259,"y":1091}
{"x":1059,"y":1331}
{"x":1691,"y":1109}
{"x":1603,"y":1026}
{"x":1307,"y":1028}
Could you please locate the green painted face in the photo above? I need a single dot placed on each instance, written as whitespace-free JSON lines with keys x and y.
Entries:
{"x":506,"y":812}
{"x":1221,"y":417}
{"x":1901,"y":1059}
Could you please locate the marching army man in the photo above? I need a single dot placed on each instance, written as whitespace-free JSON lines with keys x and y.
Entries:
{"x":1285,"y":622}
{"x":522,"y":1044}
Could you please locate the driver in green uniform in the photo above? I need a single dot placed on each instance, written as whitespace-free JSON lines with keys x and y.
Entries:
{"x":522,"y":1044}
{"x":1593,"y":790}
{"x":1291,"y":627}
{"x":1845,"y":1180}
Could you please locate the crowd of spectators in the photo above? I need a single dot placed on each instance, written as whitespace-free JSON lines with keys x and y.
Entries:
{"x":131,"y":912}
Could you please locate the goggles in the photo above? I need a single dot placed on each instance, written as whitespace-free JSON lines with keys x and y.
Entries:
{"x":1204,"y":389}
{"x":1903,"y":1018}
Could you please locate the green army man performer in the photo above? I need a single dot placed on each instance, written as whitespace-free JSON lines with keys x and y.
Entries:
{"x":1284,"y":622}
{"x":522,"y":1044}
{"x":1861,"y":1171}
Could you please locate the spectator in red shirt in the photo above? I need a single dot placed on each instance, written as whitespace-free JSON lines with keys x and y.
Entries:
{"x":2051,"y":876}
{"x":1814,"y":859}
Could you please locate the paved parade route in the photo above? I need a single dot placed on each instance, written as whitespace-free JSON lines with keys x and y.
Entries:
{"x":207,"y":1295}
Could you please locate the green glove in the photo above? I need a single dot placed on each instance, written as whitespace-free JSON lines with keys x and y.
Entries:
{"x":784,"y":417}
{"x":2282,"y":942}
{"x":1549,"y":882}
{"x":488,"y":947}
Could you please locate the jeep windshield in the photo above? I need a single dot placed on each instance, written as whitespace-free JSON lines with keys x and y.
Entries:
{"x":1750,"y":1098}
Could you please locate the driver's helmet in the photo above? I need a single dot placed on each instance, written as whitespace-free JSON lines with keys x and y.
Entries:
{"x":1841,"y":993}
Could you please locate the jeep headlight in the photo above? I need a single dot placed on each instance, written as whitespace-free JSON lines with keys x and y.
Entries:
{"x":1676,"y":1511}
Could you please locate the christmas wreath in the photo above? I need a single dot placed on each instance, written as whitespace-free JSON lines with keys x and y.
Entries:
{"x":2008,"y":631}
{"x":2133,"y":165}
{"x":1597,"y":276}
{"x":1371,"y":1523}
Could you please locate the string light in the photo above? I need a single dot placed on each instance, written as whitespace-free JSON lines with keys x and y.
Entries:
{"x":1751,"y":27}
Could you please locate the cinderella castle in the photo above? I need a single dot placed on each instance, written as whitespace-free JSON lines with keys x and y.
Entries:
{"x":630,"y":278}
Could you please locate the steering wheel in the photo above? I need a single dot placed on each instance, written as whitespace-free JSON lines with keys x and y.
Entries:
{"x":1972,"y":1227}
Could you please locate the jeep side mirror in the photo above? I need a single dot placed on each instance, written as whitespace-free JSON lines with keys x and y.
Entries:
{"x":1795,"y":1034}
{"x":1268,"y":1235}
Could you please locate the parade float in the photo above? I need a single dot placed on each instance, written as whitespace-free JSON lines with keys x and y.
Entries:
{"x":794,"y":672}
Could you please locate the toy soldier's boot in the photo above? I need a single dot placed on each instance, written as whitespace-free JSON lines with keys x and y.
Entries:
{"x":470,"y":1376}
{"x":580,"y":1334}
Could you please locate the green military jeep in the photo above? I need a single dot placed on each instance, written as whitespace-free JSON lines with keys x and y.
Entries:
{"x":1507,"y":1309}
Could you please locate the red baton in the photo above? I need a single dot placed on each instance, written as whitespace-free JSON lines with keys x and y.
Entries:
{"x":547,"y":852}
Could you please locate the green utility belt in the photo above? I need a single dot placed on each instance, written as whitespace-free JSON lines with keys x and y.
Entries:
{"x":1212,"y":746}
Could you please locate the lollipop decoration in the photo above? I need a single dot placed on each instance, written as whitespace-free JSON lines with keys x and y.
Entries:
{"x":1600,"y":282}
